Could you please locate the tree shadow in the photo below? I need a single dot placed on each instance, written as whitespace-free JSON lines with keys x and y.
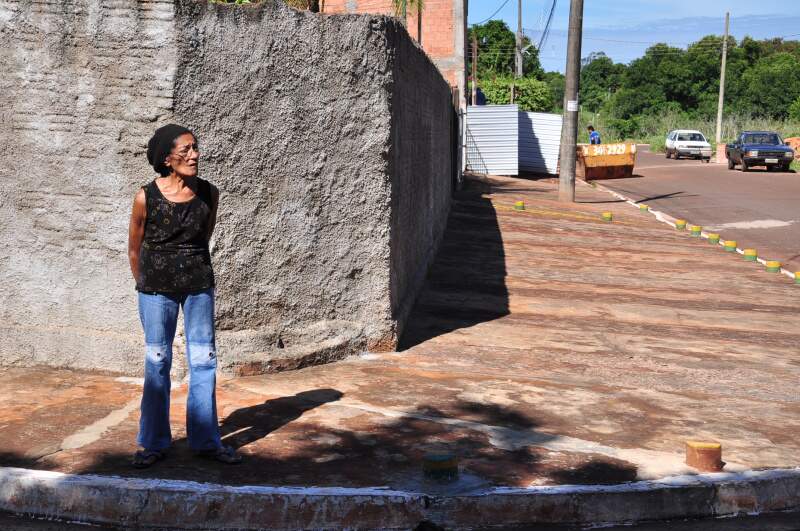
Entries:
{"x":467,"y":282}
{"x":249,"y":424}
{"x":495,"y":445}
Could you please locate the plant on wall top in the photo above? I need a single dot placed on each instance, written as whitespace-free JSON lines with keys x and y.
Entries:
{"x":403,"y":7}
{"x":306,"y":5}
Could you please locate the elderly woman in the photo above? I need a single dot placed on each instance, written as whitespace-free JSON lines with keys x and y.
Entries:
{"x":171,"y":224}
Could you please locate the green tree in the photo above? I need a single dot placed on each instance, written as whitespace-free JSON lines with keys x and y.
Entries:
{"x":496,"y":45}
{"x":600,"y":78}
{"x":773,"y":84}
{"x":556,"y":82}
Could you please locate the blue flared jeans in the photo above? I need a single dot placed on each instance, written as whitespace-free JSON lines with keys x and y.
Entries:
{"x":159,"y":315}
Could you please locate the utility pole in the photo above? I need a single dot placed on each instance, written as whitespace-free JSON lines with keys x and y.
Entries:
{"x":569,"y":129}
{"x":721,"y":101}
{"x":518,"y":55}
{"x":474,"y":68}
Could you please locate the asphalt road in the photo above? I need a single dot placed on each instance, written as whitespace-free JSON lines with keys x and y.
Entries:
{"x":758,"y":209}
{"x":765,"y":522}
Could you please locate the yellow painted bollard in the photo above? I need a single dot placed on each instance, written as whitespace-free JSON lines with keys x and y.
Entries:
{"x":644,"y":208}
{"x":797,"y":277}
{"x":773,"y":266}
{"x":696,"y":230}
{"x":704,"y":456}
{"x":608,"y":216}
{"x":680,"y":224}
{"x":730,"y":245}
{"x":519,"y":205}
{"x":751,"y":255}
{"x":713,"y":239}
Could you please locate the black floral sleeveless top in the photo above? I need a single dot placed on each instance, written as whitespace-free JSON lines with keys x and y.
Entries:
{"x":174,"y":257}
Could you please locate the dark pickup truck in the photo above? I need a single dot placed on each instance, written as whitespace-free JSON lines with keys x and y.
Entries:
{"x":759,"y":148}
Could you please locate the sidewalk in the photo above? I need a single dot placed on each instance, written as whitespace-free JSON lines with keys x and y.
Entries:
{"x":548,"y":348}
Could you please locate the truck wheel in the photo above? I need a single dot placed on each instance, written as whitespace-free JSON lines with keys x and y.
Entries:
{"x":707,"y":161}
{"x":744,"y":166}
{"x":731,"y":164}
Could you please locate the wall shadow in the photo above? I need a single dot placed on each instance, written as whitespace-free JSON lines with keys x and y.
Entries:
{"x":467,"y":283}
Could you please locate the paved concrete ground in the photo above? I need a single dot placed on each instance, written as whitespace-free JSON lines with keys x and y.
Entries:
{"x":758,"y":209}
{"x":548,"y":348}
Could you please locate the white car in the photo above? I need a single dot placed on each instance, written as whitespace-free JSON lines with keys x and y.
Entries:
{"x":687,"y":143}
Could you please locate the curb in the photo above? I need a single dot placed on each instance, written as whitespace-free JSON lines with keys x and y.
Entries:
{"x":669,"y":220}
{"x":190,"y":505}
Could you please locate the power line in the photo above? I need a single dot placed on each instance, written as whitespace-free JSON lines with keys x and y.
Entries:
{"x":546,"y":31}
{"x":492,"y":15}
{"x":643,"y":42}
{"x":651,"y":43}
{"x":510,"y":51}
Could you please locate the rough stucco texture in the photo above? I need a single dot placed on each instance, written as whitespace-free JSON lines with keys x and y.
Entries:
{"x":328,"y":136}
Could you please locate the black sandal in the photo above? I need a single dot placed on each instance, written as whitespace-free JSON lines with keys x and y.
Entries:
{"x":146,"y":458}
{"x":223,"y":454}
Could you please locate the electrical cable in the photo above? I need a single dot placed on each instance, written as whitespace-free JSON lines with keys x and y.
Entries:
{"x":492,"y":15}
{"x":546,"y":31}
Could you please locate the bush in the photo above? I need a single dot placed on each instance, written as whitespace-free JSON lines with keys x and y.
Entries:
{"x":532,"y":94}
{"x":624,"y":129}
{"x":794,"y":110}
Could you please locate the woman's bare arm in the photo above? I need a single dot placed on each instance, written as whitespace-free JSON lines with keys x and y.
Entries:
{"x":215,"y":203}
{"x":136,"y":232}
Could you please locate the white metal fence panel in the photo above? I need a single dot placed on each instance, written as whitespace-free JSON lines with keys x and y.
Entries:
{"x":539,"y":142}
{"x":493,"y":139}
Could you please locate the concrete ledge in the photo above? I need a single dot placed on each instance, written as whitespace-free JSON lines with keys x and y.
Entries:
{"x":190,"y":505}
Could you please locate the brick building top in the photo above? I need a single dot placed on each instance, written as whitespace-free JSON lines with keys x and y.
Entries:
{"x":442,"y":35}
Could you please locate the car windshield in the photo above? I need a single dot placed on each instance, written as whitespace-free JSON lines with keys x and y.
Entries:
{"x":691,"y":137}
{"x":766,"y":139}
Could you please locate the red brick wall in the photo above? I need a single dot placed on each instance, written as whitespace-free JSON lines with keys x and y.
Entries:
{"x":438,"y":32}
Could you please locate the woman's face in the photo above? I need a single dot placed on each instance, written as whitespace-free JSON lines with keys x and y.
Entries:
{"x":184,"y":156}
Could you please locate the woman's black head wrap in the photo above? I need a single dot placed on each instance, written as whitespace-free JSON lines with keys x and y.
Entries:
{"x":161,"y":145}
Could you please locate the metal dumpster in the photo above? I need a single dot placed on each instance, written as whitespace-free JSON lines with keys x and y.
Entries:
{"x":605,"y":161}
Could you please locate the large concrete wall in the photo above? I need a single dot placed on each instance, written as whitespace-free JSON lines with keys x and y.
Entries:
{"x":422,"y":139}
{"x":83,"y":85}
{"x":317,"y":141}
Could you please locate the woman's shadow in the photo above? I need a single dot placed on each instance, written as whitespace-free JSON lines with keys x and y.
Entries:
{"x":249,"y":424}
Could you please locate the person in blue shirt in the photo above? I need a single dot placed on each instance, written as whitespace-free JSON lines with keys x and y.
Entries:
{"x":594,"y":136}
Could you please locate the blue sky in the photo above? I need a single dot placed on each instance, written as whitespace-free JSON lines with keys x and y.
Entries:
{"x":641,"y":22}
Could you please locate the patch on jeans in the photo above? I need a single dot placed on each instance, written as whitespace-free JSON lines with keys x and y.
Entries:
{"x":202,"y":355}
{"x":157,"y":353}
